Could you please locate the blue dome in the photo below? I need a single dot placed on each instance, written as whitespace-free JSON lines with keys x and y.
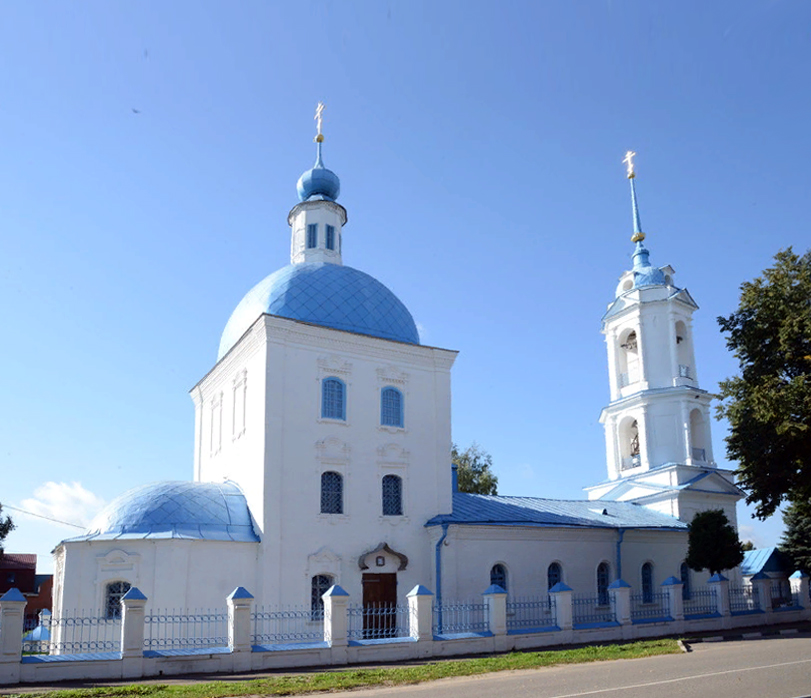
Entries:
{"x":318,"y":182}
{"x":644,"y":273}
{"x":324,"y":294}
{"x":201,"y":510}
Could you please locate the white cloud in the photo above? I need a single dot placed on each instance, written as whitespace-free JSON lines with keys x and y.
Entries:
{"x":68,"y":502}
{"x":746,"y":532}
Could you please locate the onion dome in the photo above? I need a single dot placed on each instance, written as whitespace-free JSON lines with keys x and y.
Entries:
{"x":318,"y":182}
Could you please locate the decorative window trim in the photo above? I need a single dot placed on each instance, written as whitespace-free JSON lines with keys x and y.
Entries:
{"x":216,"y":423}
{"x":327,"y":400}
{"x":311,"y":241}
{"x":240,"y":394}
{"x":322,"y":491}
{"x":388,"y":413}
{"x":319,"y":583}
{"x":383,"y":548}
{"x":548,"y":570}
{"x":393,"y":480}
{"x":108,"y":595}
{"x":603,"y":595}
{"x":391,"y":375}
{"x":504,"y":574}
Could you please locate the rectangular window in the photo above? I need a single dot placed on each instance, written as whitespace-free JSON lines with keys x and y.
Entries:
{"x":330,"y":237}
{"x":312,"y":236}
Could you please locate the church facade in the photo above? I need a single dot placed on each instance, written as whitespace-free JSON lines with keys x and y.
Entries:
{"x":322,"y":456}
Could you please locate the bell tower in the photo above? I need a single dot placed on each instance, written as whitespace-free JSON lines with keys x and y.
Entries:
{"x":657,"y":423}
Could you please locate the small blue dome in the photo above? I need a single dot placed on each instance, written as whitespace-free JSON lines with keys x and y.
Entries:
{"x":201,"y":510}
{"x":644,"y":273}
{"x":318,"y":182}
{"x":324,"y":294}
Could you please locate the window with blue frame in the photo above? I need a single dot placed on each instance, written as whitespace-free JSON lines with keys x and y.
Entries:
{"x":333,"y":399}
{"x":647,"y":583}
{"x":603,"y":581}
{"x":332,"y":493}
{"x":312,"y":235}
{"x":498,"y":576}
{"x":392,"y":496}
{"x":319,"y":585}
{"x":684,"y":572}
{"x":391,"y":407}
{"x":330,"y":237}
{"x":554,"y":575}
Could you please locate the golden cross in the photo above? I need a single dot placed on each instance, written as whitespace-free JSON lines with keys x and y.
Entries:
{"x":629,"y":161}
{"x":319,"y":110}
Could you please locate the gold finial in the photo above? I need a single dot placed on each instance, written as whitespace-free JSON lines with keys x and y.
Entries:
{"x":638,"y":237}
{"x":629,"y":161}
{"x":319,"y":118}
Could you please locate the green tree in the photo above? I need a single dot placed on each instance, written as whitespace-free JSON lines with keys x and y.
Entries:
{"x":747,"y":545}
{"x":796,"y":541}
{"x":6,"y":527}
{"x":769,"y":404}
{"x":713,"y":543}
{"x":473,"y":470}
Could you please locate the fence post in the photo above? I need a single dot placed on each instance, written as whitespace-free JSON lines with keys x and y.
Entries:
{"x":563,"y":605}
{"x":420,"y":613}
{"x":620,"y":592}
{"x":762,"y":589}
{"x":335,"y":617}
{"x":133,"y":604}
{"x":496,"y":599}
{"x":721,"y":585}
{"x":799,"y":586}
{"x":240,"y":602}
{"x":674,"y":587}
{"x":12,"y":620}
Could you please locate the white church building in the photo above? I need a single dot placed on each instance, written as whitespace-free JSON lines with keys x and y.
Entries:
{"x":322,"y":455}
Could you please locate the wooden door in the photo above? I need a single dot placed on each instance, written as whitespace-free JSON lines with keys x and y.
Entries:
{"x":379,"y":602}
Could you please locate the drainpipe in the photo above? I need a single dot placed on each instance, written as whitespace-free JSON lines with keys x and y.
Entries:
{"x":439,"y":577}
{"x":621,"y":532}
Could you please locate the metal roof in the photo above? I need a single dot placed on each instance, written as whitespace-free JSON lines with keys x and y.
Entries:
{"x":764,"y":560}
{"x":492,"y":510}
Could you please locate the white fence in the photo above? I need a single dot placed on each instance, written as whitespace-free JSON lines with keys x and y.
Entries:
{"x":242,"y":637}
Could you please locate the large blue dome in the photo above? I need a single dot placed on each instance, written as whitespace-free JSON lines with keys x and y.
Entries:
{"x":325,"y":294}
{"x":198,"y":510}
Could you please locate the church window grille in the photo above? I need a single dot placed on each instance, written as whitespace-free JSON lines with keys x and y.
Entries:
{"x":647,"y":583}
{"x":498,"y":576}
{"x":602,"y":584}
{"x":684,"y":573}
{"x":319,"y":585}
{"x":391,"y":407}
{"x":332,"y":493}
{"x":112,"y":598}
{"x":330,"y":237}
{"x":392,"y":496}
{"x":554,"y":575}
{"x":333,"y":399}
{"x":312,"y":236}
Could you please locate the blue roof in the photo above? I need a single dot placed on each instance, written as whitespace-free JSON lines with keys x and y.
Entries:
{"x":764,"y":560}
{"x":318,"y":183}
{"x":331,"y":295}
{"x":191,"y":510}
{"x":492,"y":510}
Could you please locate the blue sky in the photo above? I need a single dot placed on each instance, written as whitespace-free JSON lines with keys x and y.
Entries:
{"x":479,"y":147}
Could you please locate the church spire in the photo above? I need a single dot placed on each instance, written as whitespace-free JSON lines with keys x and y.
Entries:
{"x":638,"y":235}
{"x":318,"y":182}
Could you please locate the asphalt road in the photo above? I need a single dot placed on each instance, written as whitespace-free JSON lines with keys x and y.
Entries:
{"x":775,"y":667}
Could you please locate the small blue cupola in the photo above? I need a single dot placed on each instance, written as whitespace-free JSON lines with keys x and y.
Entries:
{"x":318,"y":183}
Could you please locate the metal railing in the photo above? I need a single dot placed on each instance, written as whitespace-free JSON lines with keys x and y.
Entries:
{"x":650,"y":606}
{"x":176,"y":629}
{"x":743,"y":599}
{"x":456,"y":617}
{"x":701,"y":602}
{"x":77,"y":633}
{"x":531,"y":612}
{"x":699,"y":454}
{"x":377,"y":622}
{"x":631,"y":462}
{"x":281,"y":625}
{"x":780,"y":596}
{"x":588,"y":609}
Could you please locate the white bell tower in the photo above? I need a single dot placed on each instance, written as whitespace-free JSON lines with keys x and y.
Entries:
{"x":657,"y":423}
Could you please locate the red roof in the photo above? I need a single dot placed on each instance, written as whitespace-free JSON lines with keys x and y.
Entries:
{"x":18,"y":561}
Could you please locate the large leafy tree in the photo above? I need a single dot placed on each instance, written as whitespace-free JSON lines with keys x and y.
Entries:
{"x":796,"y":541}
{"x":474,"y":470}
{"x":713,"y":543}
{"x":6,"y":527}
{"x":769,"y":404}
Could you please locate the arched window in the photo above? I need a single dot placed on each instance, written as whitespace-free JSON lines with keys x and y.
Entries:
{"x":554,"y":575}
{"x":332,"y":493}
{"x":391,"y":407}
{"x":628,"y":359}
{"x":112,"y":598}
{"x":603,"y":576}
{"x":392,"y":496}
{"x":630,"y":452}
{"x":698,"y":437}
{"x":683,"y":351}
{"x":333,"y":399}
{"x":318,"y":587}
{"x":684,"y":573}
{"x":498,"y":576}
{"x":647,"y":583}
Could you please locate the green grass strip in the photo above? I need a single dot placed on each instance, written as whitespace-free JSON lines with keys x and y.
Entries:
{"x":341,"y":680}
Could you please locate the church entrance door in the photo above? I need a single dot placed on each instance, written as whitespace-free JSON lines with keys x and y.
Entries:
{"x":379,"y":602}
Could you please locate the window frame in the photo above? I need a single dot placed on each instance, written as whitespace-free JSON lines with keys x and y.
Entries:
{"x":336,"y":491}
{"x":603,"y":581}
{"x":327,"y":409}
{"x":559,"y":568}
{"x":387,"y":412}
{"x":317,"y":581}
{"x":646,"y":579}
{"x":329,"y":241}
{"x":500,"y":573}
{"x":114,"y":612}
{"x":398,"y":509}
{"x":311,"y":242}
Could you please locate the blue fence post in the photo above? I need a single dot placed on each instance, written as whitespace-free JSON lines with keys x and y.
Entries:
{"x":675,"y":601}
{"x":12,"y":620}
{"x":620,"y":592}
{"x":133,"y":605}
{"x":563,"y":605}
{"x":496,"y":599}
{"x":240,"y":602}
{"x":420,"y":613}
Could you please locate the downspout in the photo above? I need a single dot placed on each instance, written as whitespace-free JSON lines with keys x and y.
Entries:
{"x":439,"y":577}
{"x":621,"y":532}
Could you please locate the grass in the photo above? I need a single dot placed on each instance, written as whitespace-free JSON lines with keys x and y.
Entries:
{"x":318,"y":682}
